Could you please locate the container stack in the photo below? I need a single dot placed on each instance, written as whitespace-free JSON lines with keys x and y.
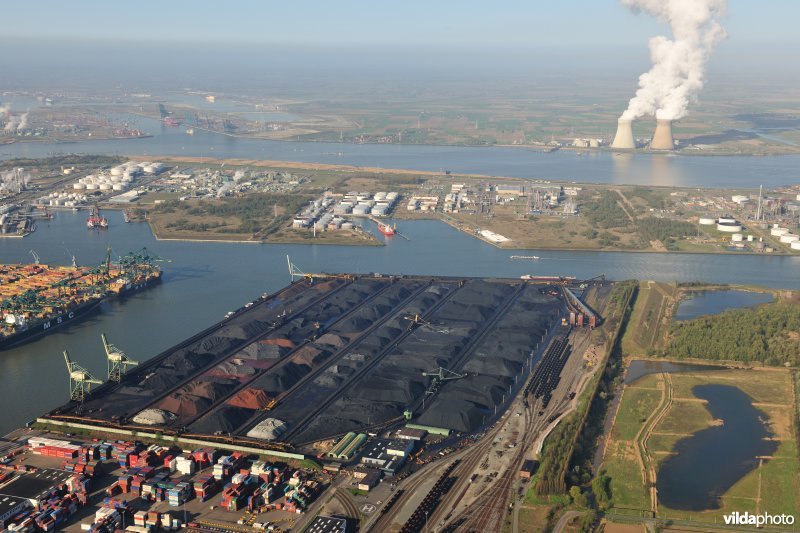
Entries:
{"x":205,"y":486}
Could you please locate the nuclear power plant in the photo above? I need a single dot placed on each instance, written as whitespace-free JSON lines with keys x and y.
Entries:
{"x":623,"y":140}
{"x":662,"y":138}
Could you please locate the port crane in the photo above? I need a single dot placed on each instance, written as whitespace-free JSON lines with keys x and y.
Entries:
{"x":295,"y":272}
{"x":80,"y":380}
{"x":118,"y":362}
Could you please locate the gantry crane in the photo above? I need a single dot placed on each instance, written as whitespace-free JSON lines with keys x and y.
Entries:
{"x":80,"y":380}
{"x":118,"y":362}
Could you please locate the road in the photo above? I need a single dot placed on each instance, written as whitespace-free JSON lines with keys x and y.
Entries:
{"x":565,"y":519}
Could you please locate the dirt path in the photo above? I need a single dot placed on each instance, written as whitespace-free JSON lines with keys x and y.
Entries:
{"x":643,"y":456}
{"x":626,"y":202}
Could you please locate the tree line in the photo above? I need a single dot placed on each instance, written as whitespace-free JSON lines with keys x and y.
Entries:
{"x":769,"y":334}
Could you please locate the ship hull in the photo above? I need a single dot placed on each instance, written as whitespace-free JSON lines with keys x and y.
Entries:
{"x":42,"y":327}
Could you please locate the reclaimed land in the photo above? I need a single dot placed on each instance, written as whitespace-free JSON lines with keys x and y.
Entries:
{"x":647,"y":428}
{"x":611,"y":217}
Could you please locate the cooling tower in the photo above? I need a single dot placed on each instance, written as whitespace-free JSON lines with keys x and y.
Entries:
{"x":662,"y":138}
{"x":623,"y":140}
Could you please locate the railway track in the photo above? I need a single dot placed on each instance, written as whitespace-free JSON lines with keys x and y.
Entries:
{"x":488,"y":513}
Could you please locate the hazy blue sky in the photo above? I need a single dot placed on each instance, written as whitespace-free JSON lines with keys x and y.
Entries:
{"x":375,"y":22}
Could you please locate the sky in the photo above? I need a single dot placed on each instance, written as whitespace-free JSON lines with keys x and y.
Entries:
{"x":190,"y":42}
{"x":505,"y":23}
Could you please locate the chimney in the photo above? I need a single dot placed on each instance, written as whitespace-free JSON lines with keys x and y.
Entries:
{"x":623,"y":140}
{"x":662,"y":138}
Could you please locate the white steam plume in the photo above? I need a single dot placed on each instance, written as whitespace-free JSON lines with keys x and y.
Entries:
{"x":23,"y":122}
{"x":675,"y":78}
{"x":11,"y":125}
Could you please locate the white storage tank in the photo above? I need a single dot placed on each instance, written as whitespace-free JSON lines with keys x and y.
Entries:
{"x":777,"y":232}
{"x":105,"y":186}
{"x":795,"y":245}
{"x":749,"y":238}
{"x":729,"y":227}
{"x":118,"y":187}
{"x":705,"y":221}
{"x":789,"y":238}
{"x":91,"y":186}
{"x":727,"y":219}
{"x":117,"y":171}
{"x":737,"y":237}
{"x":79,"y":186}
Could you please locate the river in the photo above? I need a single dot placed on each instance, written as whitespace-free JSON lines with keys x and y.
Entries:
{"x":203,"y":281}
{"x":565,"y":165}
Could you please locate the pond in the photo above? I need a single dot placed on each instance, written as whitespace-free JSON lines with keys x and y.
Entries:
{"x":708,"y":463}
{"x":638,"y":369}
{"x":714,"y":302}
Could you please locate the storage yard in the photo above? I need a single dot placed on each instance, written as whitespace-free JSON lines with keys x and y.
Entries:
{"x":389,"y":381}
{"x":318,"y":360}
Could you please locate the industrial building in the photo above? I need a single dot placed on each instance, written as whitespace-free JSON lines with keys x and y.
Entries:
{"x":335,"y":358}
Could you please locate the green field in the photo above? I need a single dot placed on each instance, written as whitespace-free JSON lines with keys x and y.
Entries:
{"x":773,"y":487}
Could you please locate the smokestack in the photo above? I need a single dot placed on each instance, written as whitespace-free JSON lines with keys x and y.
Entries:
{"x":623,"y":140}
{"x":662,"y":138}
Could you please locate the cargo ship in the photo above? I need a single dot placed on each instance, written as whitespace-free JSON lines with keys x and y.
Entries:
{"x":386,"y":229}
{"x":548,"y":279}
{"x":35,"y":299}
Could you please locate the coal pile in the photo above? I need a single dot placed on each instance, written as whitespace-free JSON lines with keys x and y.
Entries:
{"x":317,"y":360}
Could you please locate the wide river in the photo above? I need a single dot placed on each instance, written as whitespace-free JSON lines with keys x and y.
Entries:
{"x":203,"y":281}
{"x":565,"y":165}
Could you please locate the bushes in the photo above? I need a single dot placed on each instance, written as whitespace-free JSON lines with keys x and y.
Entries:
{"x":664,"y":230}
{"x":605,"y":212}
{"x":768,"y":334}
{"x":262,"y":213}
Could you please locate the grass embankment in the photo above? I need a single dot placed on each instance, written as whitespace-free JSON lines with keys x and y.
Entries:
{"x":773,"y":487}
{"x":649,"y":322}
{"x":561,"y":444}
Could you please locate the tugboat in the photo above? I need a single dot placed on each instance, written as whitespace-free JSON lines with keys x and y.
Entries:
{"x":96,"y":220}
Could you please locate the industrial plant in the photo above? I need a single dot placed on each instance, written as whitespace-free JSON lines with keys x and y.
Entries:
{"x":331,"y":355}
